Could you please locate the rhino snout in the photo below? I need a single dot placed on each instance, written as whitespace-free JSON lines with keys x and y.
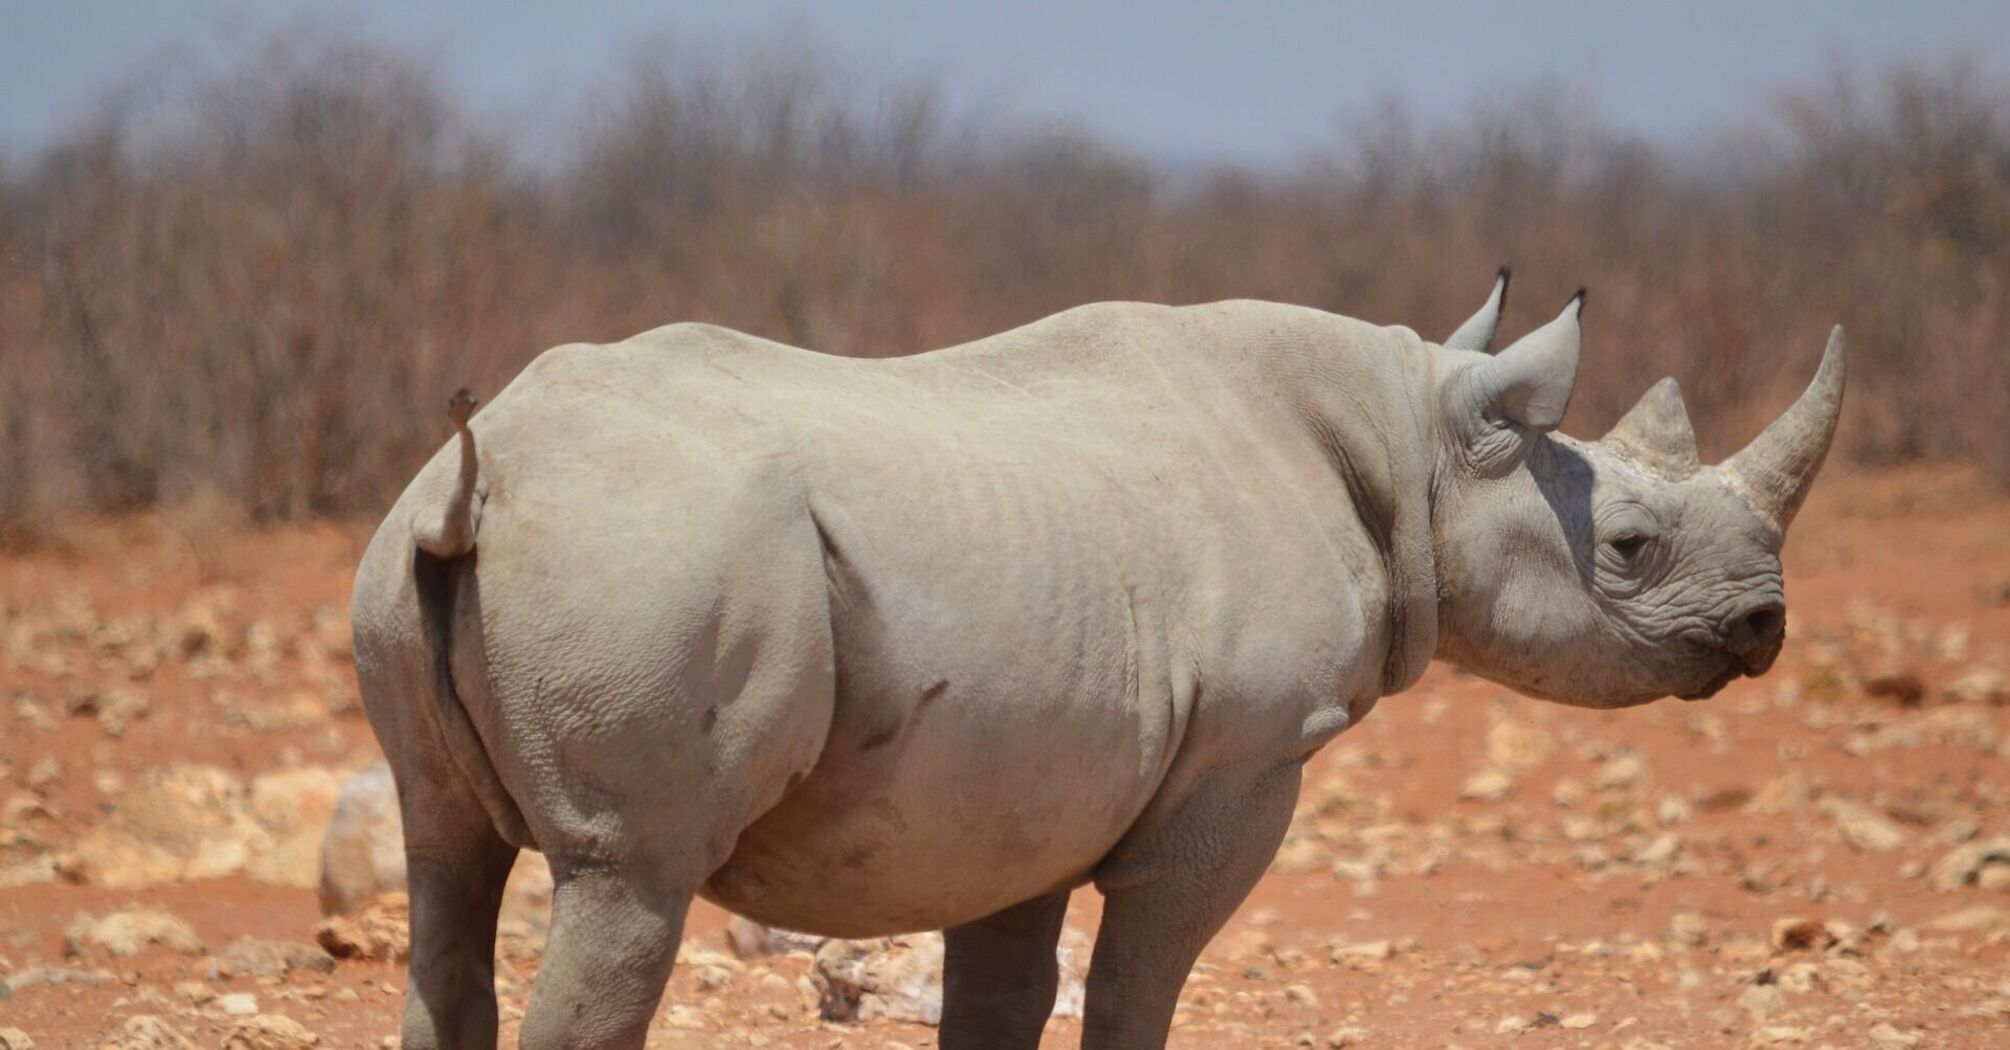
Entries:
{"x":1754,"y":636}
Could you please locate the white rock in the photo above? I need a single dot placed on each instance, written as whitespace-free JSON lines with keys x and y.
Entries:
{"x":1689,"y":928}
{"x":1620,"y":771}
{"x":1762,"y":1001}
{"x":892,"y":978}
{"x":1977,"y":918}
{"x":182,"y":822}
{"x":1518,"y":746}
{"x":50,"y":976}
{"x":900,"y":979}
{"x":1488,"y":784}
{"x":294,"y":806}
{"x":363,"y":852}
{"x":1964,"y":865}
{"x":1863,"y":829}
{"x":28,"y":872}
{"x":147,"y":1032}
{"x":1661,"y":853}
{"x":362,"y":855}
{"x":1980,"y":684}
{"x":254,"y":957}
{"x":127,"y":933}
{"x":269,"y":1032}
{"x":1885,"y":1037}
{"x":238,"y":1004}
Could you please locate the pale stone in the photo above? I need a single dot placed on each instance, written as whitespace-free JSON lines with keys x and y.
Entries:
{"x":1964,"y":864}
{"x":182,"y":822}
{"x":892,"y":978}
{"x":362,"y":857}
{"x":249,"y":956}
{"x":1518,"y":746}
{"x":1688,"y":928}
{"x":1863,"y":829}
{"x":1761,"y":1001}
{"x":1979,"y":684}
{"x":1885,"y":1037}
{"x":147,"y":1032}
{"x":363,"y":852}
{"x":380,"y":931}
{"x":1487,"y":785}
{"x":294,"y":806}
{"x":127,"y":933}
{"x":1620,"y":771}
{"x":269,"y":1032}
{"x":1973,"y":919}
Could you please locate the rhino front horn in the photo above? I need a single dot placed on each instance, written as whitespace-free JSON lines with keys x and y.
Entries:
{"x":1775,"y":471}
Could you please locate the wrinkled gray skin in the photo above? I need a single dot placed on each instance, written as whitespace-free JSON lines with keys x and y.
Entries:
{"x":866,"y":646}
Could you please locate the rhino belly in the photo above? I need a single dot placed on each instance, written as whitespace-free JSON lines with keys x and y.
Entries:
{"x":958,"y":817}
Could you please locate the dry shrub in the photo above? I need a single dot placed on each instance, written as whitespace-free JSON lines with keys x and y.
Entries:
{"x":255,"y":283}
{"x":206,"y":524}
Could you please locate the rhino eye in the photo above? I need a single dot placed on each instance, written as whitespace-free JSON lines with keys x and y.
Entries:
{"x":1626,"y":545}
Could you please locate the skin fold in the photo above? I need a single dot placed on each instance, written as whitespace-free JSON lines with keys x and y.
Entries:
{"x":859,"y":647}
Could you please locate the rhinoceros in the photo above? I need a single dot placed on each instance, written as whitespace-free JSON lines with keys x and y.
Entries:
{"x":859,"y":647}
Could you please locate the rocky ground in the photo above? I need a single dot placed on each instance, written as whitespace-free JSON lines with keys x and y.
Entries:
{"x":1820,"y":858}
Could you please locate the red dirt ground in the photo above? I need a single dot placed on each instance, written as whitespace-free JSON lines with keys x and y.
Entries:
{"x":1615,"y":884}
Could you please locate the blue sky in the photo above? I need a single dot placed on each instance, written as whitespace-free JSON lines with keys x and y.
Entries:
{"x":1178,"y":80}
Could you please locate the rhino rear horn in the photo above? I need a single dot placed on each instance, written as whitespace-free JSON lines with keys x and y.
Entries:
{"x":1656,"y":431}
{"x":1477,"y":333}
{"x":1775,"y":471}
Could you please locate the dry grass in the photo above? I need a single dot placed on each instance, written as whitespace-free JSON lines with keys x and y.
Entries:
{"x":254,"y":284}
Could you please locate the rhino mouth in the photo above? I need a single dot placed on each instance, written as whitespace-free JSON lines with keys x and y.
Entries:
{"x":1731,"y":673}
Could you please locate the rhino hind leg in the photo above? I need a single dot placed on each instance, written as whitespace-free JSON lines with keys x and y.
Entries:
{"x":456,"y":892}
{"x":614,"y":937}
{"x":456,"y":861}
{"x":1169,"y":891}
{"x":999,"y":976}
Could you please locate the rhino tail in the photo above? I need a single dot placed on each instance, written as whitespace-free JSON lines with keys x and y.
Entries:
{"x":445,"y":534}
{"x":450,"y":533}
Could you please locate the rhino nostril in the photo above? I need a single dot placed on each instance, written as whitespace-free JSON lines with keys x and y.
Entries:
{"x":1762,"y":626}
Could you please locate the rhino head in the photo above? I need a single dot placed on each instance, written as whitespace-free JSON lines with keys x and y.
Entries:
{"x":1612,"y":572}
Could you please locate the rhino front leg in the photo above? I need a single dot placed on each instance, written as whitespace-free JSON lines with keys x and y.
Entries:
{"x":999,"y":976}
{"x":1168,"y":893}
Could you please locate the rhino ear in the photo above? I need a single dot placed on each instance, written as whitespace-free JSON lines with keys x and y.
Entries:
{"x":1656,"y":431}
{"x":1530,"y":382}
{"x":1496,"y":406}
{"x":1477,"y":334}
